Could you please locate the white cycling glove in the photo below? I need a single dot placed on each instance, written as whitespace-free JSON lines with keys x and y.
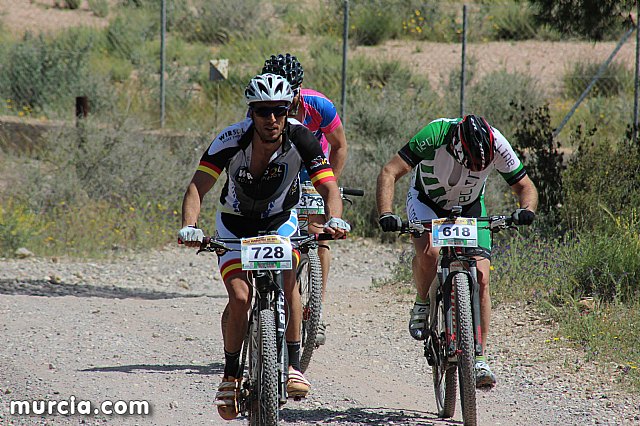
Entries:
{"x":190,"y":233}
{"x":336,"y":222}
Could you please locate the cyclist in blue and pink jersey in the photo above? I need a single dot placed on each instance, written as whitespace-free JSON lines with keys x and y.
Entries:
{"x":318,"y":114}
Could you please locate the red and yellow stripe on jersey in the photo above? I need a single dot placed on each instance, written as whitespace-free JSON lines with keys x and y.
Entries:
{"x":322,"y":176}
{"x":210,"y":169}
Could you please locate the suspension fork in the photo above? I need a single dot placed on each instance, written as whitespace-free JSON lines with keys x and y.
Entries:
{"x":448,"y":301}
{"x":475,"y":308}
{"x":281,"y":326}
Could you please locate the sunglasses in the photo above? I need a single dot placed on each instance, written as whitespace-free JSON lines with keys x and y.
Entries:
{"x":277,"y":111}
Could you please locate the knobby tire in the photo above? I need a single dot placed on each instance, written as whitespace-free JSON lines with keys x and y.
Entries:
{"x":264,"y":363}
{"x":309,"y":275}
{"x":465,"y":344}
{"x":444,"y":373}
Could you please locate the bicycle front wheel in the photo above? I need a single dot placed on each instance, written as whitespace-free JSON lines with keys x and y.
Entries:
{"x":309,"y":275}
{"x":466,"y":353}
{"x":444,"y":373}
{"x":263,"y":365}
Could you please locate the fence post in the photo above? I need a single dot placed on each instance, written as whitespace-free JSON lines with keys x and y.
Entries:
{"x":637,"y":77}
{"x":82,"y":109}
{"x":345,"y":40}
{"x":462,"y":65}
{"x":163,"y":32}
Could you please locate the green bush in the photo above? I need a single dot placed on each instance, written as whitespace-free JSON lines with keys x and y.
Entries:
{"x":430,"y":21}
{"x":70,"y":4}
{"x":220,"y":21}
{"x":100,"y":8}
{"x":18,"y":226}
{"x":607,"y":265}
{"x":615,"y":80}
{"x":535,"y":144}
{"x":602,"y":173}
{"x":371,"y":26}
{"x":511,"y":20}
{"x":46,"y":75}
{"x":127,"y":34}
{"x":494,"y":94}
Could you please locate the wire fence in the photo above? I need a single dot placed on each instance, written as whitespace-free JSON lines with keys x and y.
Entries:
{"x":184,"y":65}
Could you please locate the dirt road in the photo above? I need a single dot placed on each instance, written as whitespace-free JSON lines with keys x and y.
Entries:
{"x":146,"y":327}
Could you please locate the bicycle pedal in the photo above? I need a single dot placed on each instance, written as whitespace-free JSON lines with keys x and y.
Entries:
{"x":296,"y":396}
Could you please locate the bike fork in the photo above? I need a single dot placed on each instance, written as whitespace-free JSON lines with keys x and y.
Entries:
{"x":281,"y":322}
{"x":475,"y":310}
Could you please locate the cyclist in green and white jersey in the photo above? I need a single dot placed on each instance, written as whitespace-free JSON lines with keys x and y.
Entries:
{"x":452,"y":159}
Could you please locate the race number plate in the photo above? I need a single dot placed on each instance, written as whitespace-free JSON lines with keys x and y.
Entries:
{"x":463,"y":232}
{"x":310,"y":201}
{"x":266,"y":252}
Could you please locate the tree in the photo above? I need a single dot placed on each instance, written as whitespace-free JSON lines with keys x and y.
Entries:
{"x":594,"y":19}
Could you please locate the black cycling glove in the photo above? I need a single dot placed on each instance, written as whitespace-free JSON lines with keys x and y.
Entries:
{"x":390,"y":222}
{"x":523,"y":217}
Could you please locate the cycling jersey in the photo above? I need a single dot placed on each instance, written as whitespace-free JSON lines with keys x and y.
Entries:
{"x":278,"y":189}
{"x":320,"y":115}
{"x":441,"y":182}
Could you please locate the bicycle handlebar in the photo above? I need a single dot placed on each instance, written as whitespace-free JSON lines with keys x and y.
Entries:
{"x":220,"y":246}
{"x":494,"y":223}
{"x":353,"y":191}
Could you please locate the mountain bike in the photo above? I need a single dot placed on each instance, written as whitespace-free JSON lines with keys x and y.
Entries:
{"x":309,"y":273}
{"x":455,"y":336}
{"x":264,"y":388}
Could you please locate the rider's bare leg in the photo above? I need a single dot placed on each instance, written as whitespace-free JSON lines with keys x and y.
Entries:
{"x":485,"y":298}
{"x":294,"y":305}
{"x":424,"y":265}
{"x":235,"y":316}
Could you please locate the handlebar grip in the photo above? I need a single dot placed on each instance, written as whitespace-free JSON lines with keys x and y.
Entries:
{"x":326,"y":237}
{"x":353,"y":191}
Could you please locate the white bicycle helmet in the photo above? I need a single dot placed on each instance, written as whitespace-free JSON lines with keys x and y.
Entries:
{"x":268,"y":87}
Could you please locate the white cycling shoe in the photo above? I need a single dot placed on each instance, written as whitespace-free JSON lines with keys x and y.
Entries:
{"x":418,"y":322}
{"x":484,"y":377}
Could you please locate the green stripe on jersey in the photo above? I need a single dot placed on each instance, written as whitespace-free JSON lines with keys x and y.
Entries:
{"x":508,"y":176}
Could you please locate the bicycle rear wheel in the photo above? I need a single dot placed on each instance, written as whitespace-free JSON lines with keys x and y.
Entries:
{"x":444,"y":374}
{"x":309,"y":275}
{"x":465,"y":344}
{"x":263,"y":371}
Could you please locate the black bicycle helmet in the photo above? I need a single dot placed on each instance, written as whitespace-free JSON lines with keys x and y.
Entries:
{"x":473,"y":143}
{"x":286,"y":66}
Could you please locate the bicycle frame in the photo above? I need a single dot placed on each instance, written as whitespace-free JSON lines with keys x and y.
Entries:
{"x":455,"y":332}
{"x":462,"y":264}
{"x":268,"y":293}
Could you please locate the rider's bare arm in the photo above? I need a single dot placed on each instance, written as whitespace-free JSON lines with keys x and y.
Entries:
{"x":200,"y":184}
{"x":332,"y":200}
{"x":338,"y":153}
{"x":389,"y":175}
{"x":527,"y":193}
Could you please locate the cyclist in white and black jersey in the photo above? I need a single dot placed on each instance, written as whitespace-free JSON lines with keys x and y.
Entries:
{"x":262,"y":157}
{"x":452,"y":159}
